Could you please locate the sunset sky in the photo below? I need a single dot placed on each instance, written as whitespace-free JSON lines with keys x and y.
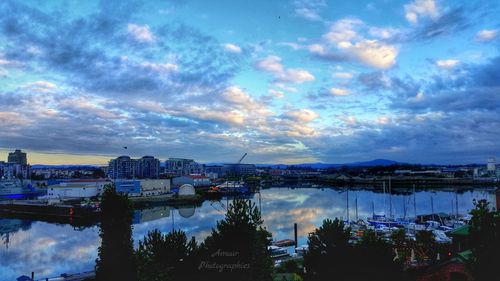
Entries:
{"x":286,"y":81}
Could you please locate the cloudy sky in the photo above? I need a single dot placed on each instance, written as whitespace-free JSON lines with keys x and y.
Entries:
{"x":286,"y":81}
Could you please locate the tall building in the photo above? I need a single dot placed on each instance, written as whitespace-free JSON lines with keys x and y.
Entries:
{"x":122,"y":167}
{"x":147,"y":167}
{"x":181,"y":167}
{"x":18,"y":157}
{"x":125,"y":167}
{"x":491,"y":165}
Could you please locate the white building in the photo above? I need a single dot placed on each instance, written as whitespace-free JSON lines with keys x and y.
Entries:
{"x":155,"y":187}
{"x":77,"y":189}
{"x":491,"y":166}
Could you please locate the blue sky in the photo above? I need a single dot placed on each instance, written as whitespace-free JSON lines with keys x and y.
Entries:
{"x":286,"y":81}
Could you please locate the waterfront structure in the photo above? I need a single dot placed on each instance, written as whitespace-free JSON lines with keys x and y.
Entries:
{"x":122,"y":167}
{"x":144,"y":187}
{"x":80,"y":188}
{"x":491,"y":165}
{"x":239,"y":169}
{"x":181,"y":167}
{"x":125,"y":167}
{"x":154,"y":186}
{"x":129,"y":187}
{"x":194,"y":180}
{"x":214,"y":171}
{"x":147,"y":167}
{"x":186,"y":190}
{"x":17,"y":157}
{"x":16,"y":166}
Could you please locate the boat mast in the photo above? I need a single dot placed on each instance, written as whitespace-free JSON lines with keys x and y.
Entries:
{"x":414,"y":202}
{"x":390,"y":198}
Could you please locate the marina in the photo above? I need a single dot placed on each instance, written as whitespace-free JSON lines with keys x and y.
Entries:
{"x":74,"y":248}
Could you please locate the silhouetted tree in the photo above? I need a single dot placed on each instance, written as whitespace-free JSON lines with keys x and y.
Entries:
{"x":237,"y":248}
{"x":329,"y":254}
{"x":166,"y":257}
{"x":116,"y":254}
{"x":375,"y":259}
{"x":485,"y":241}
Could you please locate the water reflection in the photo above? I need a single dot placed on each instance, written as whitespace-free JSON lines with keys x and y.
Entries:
{"x":51,"y":249}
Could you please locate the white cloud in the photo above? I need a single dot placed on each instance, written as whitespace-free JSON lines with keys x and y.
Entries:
{"x":486,"y":35}
{"x":276,"y":94}
{"x":342,"y":75}
{"x":447,"y":64}
{"x":302,"y":115}
{"x":297,"y":76}
{"x":349,"y":120}
{"x":309,"y":9}
{"x":40,"y":87}
{"x":317,"y":49}
{"x":339,"y":92}
{"x":232,"y":48}
{"x":272,"y":64}
{"x":344,"y":41}
{"x":343,"y":31}
{"x":160,"y":67}
{"x":384,"y":32}
{"x":420,"y":8}
{"x":375,"y":53}
{"x":140,"y":33}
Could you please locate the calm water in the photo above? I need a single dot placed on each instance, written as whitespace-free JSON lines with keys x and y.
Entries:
{"x":51,"y":249}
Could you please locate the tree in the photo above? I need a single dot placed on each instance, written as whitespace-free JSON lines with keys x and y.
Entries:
{"x":376,"y":258}
{"x":485,"y":240}
{"x":116,"y":254}
{"x":166,"y":257}
{"x":329,"y":253}
{"x":426,"y":242}
{"x":237,"y":248}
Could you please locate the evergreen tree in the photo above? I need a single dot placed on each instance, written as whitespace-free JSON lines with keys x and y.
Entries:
{"x":166,"y":257}
{"x":238,"y":248}
{"x":485,"y":241}
{"x":116,"y":254}
{"x":330,"y":254}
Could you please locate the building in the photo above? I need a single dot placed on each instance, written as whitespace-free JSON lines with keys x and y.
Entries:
{"x":18,"y":157}
{"x":239,"y":169}
{"x":491,"y":165}
{"x":144,"y":187}
{"x":122,"y":167}
{"x":181,"y":167}
{"x":154,"y":186}
{"x":125,"y":167}
{"x":130,"y":187}
{"x":147,"y":167}
{"x":80,"y":188}
{"x":194,"y":180}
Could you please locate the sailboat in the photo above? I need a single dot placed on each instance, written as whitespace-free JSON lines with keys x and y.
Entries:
{"x":382,"y":220}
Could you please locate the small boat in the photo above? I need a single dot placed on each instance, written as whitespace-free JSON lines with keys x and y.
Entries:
{"x":284,"y":243}
{"x":301,"y":250}
{"x":382,"y":220}
{"x":277,"y":252}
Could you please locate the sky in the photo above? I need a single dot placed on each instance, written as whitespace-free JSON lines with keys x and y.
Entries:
{"x":285,"y":81}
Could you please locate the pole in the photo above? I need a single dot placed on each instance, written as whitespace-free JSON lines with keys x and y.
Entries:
{"x":414,"y":202}
{"x":432,"y":207}
{"x":347,"y":210}
{"x":390,"y":199}
{"x":456,"y":204}
{"x":357,"y":208}
{"x":295,"y":234}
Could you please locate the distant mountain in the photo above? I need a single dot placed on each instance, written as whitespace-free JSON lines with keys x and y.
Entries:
{"x":66,"y":167}
{"x":318,"y":165}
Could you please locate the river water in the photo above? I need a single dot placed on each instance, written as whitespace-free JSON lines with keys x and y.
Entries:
{"x":52,"y":249}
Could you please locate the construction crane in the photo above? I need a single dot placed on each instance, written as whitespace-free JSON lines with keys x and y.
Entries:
{"x":241,"y":159}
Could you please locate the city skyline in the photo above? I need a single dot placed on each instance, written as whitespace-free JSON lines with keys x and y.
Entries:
{"x":288,"y":82}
